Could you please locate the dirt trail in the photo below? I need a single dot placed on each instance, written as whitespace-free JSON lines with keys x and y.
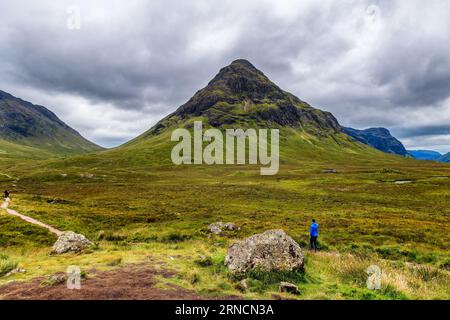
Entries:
{"x":5,"y":206}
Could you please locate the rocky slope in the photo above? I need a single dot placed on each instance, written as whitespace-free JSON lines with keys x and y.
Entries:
{"x":378,"y":138}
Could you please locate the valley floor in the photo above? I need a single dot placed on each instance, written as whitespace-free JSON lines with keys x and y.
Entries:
{"x":151,"y":224}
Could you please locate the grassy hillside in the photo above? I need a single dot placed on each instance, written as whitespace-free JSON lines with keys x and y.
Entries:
{"x":9,"y":150}
{"x":26,"y":124}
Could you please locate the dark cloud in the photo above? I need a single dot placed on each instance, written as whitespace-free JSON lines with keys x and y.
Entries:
{"x":371,"y":63}
{"x":437,"y":130}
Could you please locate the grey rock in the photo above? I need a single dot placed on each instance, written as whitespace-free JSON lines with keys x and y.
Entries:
{"x":57,"y":278}
{"x":243,"y":285}
{"x":16,"y":270}
{"x":70,"y":241}
{"x":218,"y":227}
{"x":231,"y":226}
{"x":272,"y":250}
{"x":289,"y":288}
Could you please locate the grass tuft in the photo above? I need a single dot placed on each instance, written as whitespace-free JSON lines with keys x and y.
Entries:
{"x":6,"y":264}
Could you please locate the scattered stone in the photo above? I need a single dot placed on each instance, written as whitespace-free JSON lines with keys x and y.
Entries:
{"x":58,"y":278}
{"x":217,"y":227}
{"x":231,"y":226}
{"x":272,"y":250}
{"x":54,"y":279}
{"x":329,"y":171}
{"x":403,"y":181}
{"x":57,"y":201}
{"x":70,"y":241}
{"x":289,"y":288}
{"x":243,"y":285}
{"x":86,"y":175}
{"x":14,"y":271}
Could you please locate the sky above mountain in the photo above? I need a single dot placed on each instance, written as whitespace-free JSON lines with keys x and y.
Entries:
{"x":129,"y":63}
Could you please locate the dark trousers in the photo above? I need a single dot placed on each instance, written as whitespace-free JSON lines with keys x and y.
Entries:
{"x":313,"y":242}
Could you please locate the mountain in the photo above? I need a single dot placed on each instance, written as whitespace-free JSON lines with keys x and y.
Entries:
{"x":444,"y":158}
{"x":241,"y":96}
{"x":425,"y":154}
{"x":25,"y":126}
{"x":379,"y":138}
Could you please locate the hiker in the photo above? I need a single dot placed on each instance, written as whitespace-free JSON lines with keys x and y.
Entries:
{"x":314,"y":233}
{"x":6,"y":194}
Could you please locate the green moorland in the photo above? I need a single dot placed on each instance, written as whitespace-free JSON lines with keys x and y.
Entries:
{"x":138,"y":207}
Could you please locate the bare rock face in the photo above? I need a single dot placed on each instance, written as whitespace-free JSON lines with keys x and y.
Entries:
{"x":70,"y":241}
{"x":272,"y":250}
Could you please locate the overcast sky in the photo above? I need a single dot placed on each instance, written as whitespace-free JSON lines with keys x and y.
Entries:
{"x":371,"y":63}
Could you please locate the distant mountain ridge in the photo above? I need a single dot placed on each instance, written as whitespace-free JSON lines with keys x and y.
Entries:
{"x":378,"y":138}
{"x":444,"y":158}
{"x":429,"y":155}
{"x":425,"y":154}
{"x":29,"y":125}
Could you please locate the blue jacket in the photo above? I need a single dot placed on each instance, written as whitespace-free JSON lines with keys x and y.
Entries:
{"x":314,"y":230}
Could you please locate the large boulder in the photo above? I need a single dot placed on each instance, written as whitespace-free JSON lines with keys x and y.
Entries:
{"x":272,"y":250}
{"x":70,"y":241}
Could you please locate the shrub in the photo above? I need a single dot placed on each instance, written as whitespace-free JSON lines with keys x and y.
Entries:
{"x":445,"y":265}
{"x":204,"y":261}
{"x":394,"y":253}
{"x":108,"y":236}
{"x":352,"y":270}
{"x":427,"y":273}
{"x":176,"y":237}
{"x":193,"y":277}
{"x":392,"y":293}
{"x":114,"y":262}
{"x":6,"y":264}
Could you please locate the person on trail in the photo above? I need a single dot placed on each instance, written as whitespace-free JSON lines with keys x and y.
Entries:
{"x":313,"y":233}
{"x":6,"y":194}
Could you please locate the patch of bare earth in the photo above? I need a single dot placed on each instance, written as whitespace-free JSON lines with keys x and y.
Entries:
{"x":136,"y":282}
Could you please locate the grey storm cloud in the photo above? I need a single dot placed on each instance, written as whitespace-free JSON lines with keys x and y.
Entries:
{"x":370,"y":62}
{"x":432,"y":130}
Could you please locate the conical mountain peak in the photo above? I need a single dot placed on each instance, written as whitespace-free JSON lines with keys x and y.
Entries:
{"x":239,"y":67}
{"x":243,"y":77}
{"x":241,"y":94}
